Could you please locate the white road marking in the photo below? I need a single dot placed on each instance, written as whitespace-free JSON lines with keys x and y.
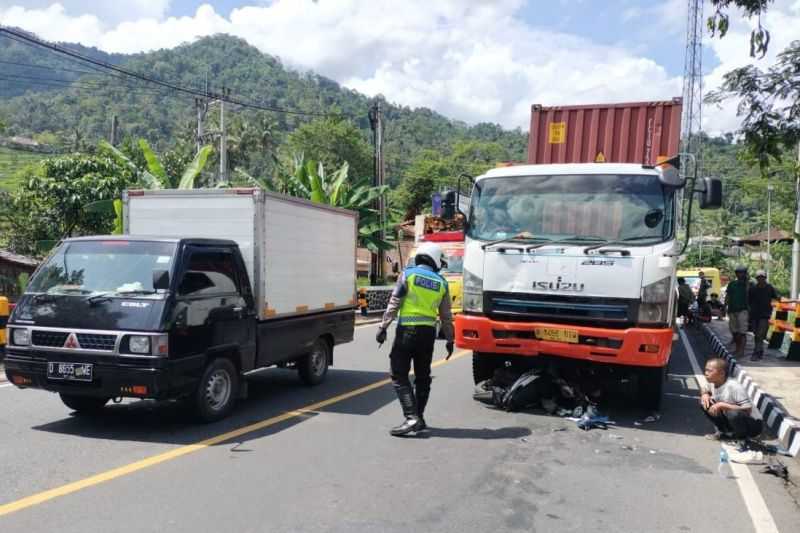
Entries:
{"x":4,"y":385}
{"x":753,"y":500}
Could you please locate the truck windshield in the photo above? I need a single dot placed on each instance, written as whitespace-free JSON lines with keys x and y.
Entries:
{"x":601,"y":207}
{"x":112,"y":267}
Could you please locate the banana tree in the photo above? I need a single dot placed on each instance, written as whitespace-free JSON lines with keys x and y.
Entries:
{"x":154,"y":176}
{"x":309,"y":180}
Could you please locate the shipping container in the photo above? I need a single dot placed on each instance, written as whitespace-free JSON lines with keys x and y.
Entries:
{"x":634,"y":132}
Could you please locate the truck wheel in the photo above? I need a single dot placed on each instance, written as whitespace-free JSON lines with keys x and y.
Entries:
{"x":83,"y":404}
{"x":313,"y":367}
{"x":651,"y":385}
{"x":483,"y":366}
{"x":217,"y":391}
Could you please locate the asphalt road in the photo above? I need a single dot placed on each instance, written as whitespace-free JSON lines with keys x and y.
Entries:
{"x":302,"y":459}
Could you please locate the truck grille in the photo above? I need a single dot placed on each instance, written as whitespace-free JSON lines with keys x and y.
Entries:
{"x":577,"y":310}
{"x":50,"y":339}
{"x":92,"y":341}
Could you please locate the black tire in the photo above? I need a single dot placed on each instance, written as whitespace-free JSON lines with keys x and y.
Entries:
{"x":83,"y":404}
{"x":484,"y":365}
{"x":313,"y":367}
{"x":651,"y":386}
{"x":217,"y":391}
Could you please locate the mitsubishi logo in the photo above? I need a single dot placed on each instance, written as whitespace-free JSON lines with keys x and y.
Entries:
{"x":72,"y":342}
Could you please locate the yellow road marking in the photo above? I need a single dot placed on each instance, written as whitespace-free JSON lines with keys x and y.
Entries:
{"x":125,"y":470}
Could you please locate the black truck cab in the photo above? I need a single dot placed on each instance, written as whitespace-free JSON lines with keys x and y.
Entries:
{"x":161,"y":318}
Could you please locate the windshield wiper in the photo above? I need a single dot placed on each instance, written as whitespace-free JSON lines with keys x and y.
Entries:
{"x":565,"y":240}
{"x":618,"y":242}
{"x":105,"y":296}
{"x":524,"y":236}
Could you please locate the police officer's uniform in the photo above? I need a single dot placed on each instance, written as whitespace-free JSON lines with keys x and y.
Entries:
{"x":420,"y":296}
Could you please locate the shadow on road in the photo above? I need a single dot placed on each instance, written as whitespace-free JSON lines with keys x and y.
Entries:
{"x":271,"y":393}
{"x":477,"y":434}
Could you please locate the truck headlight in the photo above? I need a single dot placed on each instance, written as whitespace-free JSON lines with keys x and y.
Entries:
{"x":657,"y":292}
{"x":139,"y":344}
{"x":472,"y":298}
{"x":653,"y":313}
{"x":21,"y":337}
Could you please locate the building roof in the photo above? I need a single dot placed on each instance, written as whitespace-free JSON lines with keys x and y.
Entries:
{"x":18,"y":259}
{"x":775,"y":234}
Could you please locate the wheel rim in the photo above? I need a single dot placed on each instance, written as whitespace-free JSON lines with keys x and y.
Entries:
{"x":319,"y":360}
{"x":218,"y":389}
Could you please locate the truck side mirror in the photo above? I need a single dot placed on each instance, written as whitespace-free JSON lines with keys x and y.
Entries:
{"x":160,"y":279}
{"x":711,"y":194}
{"x":462,"y":200}
{"x":449,"y":205}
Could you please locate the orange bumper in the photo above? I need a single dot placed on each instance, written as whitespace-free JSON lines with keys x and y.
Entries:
{"x":633,"y":346}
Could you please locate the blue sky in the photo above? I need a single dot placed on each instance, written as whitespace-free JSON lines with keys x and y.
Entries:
{"x":472,"y":60}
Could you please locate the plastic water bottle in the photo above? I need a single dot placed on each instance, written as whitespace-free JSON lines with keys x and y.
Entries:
{"x":724,"y":468}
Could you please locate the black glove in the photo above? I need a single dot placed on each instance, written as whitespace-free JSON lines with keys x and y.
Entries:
{"x":449,"y":347}
{"x":381,"y":336}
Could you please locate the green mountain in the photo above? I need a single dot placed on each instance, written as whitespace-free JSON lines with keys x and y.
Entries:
{"x":79,"y":109}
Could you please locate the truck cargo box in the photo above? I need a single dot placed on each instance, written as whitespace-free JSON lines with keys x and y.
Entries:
{"x":300,"y":256}
{"x":636,"y":132}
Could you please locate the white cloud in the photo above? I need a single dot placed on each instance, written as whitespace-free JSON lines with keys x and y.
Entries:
{"x":110,"y":12}
{"x":470,"y":60}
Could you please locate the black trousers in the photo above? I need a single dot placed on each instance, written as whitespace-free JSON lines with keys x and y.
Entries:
{"x":413,"y":344}
{"x":738,"y":424}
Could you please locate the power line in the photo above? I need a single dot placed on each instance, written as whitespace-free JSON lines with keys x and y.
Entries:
{"x":194,"y":92}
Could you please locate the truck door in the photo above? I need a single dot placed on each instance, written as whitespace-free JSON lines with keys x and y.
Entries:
{"x":212,"y":311}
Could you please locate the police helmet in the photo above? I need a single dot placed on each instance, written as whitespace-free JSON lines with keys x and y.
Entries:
{"x":432,"y":251}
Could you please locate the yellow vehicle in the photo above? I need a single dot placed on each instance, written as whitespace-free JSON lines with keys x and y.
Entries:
{"x":454,"y":271}
{"x":692,"y":277}
{"x":4,"y":312}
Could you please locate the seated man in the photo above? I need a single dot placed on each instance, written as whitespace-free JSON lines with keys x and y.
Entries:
{"x":717,"y":307}
{"x":726,"y":403}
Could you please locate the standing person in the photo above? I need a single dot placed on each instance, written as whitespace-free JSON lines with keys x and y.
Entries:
{"x":760,"y":297}
{"x":726,"y":403}
{"x":736,"y":300}
{"x":685,"y":299}
{"x":702,"y":289}
{"x":420,"y":295}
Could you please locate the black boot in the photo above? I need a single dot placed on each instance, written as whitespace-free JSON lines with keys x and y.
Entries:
{"x":422,"y":401}
{"x":409,"y":405}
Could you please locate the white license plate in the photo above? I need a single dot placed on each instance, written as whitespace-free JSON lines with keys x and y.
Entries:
{"x":70,"y":371}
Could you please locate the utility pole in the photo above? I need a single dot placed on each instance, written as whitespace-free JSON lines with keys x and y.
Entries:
{"x":201,"y":105}
{"x":113,"y":136}
{"x":223,"y":149}
{"x":376,"y":123}
{"x":769,"y":223}
{"x":796,"y":242}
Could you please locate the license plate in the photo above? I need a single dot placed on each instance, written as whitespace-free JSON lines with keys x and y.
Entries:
{"x":70,"y":371}
{"x":557,"y":335}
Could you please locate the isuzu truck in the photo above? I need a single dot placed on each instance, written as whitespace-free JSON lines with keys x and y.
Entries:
{"x":574,"y":255}
{"x":205,"y":287}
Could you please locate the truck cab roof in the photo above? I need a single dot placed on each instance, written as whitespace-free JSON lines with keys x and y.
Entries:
{"x":155,"y":238}
{"x":568,"y":169}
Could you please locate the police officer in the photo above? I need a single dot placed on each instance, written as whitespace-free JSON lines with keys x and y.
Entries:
{"x":420,"y":295}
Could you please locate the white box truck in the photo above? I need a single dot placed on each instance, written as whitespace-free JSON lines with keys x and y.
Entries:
{"x":204,"y":287}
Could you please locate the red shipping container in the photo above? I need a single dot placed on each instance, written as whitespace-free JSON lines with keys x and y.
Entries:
{"x":634,"y":132}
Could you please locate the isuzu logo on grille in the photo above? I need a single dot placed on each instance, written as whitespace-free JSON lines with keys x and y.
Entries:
{"x":558,"y":285}
{"x":72,"y":342}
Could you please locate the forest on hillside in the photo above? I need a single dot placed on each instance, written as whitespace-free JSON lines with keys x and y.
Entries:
{"x":322,"y":135}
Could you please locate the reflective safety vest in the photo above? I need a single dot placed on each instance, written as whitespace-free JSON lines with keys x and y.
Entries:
{"x":425,"y":290}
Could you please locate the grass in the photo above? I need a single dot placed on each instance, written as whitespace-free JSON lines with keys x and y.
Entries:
{"x":11,"y":162}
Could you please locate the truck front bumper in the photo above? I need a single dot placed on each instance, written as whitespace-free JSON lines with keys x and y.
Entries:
{"x":109,"y":380}
{"x":632,"y":346}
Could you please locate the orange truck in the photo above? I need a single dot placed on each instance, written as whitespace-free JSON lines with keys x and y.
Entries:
{"x":574,"y":254}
